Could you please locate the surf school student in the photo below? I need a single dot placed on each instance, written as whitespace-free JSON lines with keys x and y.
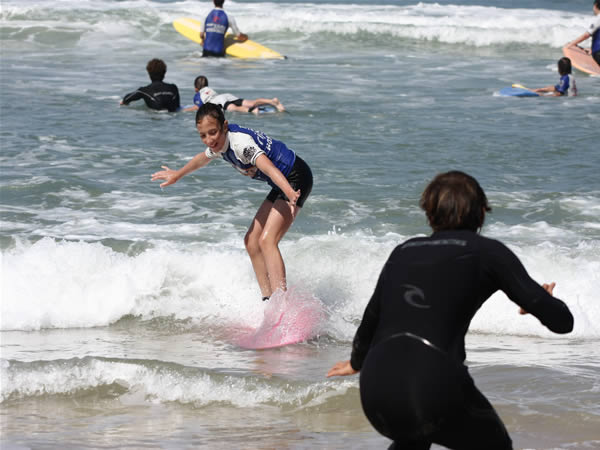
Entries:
{"x":409,"y":347}
{"x":157,"y":95}
{"x":213,"y":31}
{"x":228,"y":102}
{"x":566,"y":85}
{"x":593,"y":31}
{"x":261,"y":158}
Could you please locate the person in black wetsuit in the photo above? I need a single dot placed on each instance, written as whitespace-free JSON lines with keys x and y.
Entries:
{"x":409,"y":347}
{"x":157,"y":95}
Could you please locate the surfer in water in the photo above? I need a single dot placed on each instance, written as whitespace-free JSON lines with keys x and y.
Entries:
{"x":228,"y":102}
{"x":158,"y":94}
{"x":409,"y":347}
{"x":262,"y":158}
{"x":566,"y":84}
{"x":213,"y":31}
{"x":593,"y":32}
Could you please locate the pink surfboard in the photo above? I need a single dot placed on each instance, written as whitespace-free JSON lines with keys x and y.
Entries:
{"x":289,"y":318}
{"x":582,"y":60}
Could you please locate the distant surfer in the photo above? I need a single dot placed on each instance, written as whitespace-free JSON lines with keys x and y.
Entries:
{"x":566,"y":85}
{"x":409,"y":347}
{"x":593,"y":32}
{"x":158,"y":94}
{"x":228,"y":102}
{"x":212,"y":32}
{"x":262,"y":158}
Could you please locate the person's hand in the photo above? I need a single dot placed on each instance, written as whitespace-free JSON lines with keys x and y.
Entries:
{"x":293,"y":198}
{"x":548,"y":287}
{"x":341,"y":369}
{"x":167,"y":174}
{"x":242,"y":37}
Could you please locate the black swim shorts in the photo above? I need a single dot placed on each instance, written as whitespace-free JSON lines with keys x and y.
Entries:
{"x":301,"y":178}
{"x":237,"y":102}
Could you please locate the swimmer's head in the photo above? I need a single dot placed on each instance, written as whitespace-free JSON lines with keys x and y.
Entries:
{"x":212,"y":126}
{"x":219,"y":3}
{"x":156,"y":69}
{"x":211,"y":110}
{"x":454,"y":201}
{"x":564,"y":66}
{"x":200,"y":82}
{"x":596,"y":7}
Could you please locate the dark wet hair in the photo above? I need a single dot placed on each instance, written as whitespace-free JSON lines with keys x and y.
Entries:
{"x":219,"y":3}
{"x":200,"y":82}
{"x":597,"y":3}
{"x":211,"y":110}
{"x":564,"y":65}
{"x":156,"y":69}
{"x":454,"y":201}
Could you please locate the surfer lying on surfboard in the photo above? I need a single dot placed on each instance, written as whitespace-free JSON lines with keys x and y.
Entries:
{"x":262,"y":158}
{"x":566,"y":84}
{"x":228,"y":102}
{"x":410,"y":345}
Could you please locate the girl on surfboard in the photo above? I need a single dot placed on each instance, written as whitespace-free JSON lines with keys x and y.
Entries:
{"x":258,"y":156}
{"x":229,"y":102}
{"x":566,"y":84}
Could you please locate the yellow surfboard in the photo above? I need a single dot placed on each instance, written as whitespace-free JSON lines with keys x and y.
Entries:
{"x":190,"y":28}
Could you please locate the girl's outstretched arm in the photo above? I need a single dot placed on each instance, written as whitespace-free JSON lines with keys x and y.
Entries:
{"x":172,"y":176}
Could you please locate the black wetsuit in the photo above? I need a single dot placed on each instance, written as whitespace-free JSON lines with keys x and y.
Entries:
{"x":410,"y":345}
{"x":157,"y":95}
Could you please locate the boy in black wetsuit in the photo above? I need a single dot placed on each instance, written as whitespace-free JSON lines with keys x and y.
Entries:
{"x":409,"y":347}
{"x":157,"y":95}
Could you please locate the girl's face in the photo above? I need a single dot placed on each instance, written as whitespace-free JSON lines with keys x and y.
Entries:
{"x":211,"y":133}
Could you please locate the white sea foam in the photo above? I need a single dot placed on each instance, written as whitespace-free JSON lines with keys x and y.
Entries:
{"x":453,"y":24}
{"x":58,"y":284}
{"x":158,"y":382}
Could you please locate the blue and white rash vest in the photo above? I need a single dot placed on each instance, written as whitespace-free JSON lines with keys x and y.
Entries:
{"x":594,"y":30}
{"x":244,"y":145}
{"x":215,"y":26}
{"x":567,"y":86}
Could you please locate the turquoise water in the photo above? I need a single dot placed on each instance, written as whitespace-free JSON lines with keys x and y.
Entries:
{"x":116,"y":295}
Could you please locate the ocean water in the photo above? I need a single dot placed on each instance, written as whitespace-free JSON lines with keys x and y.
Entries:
{"x":118,"y":298}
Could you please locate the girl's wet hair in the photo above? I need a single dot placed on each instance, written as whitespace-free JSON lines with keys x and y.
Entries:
{"x":200,"y":82}
{"x":211,"y":110}
{"x":564,"y":66}
{"x":454,"y":201}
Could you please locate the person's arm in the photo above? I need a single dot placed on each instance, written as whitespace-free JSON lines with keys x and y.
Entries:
{"x":202,"y":33}
{"x":172,"y":176}
{"x":268,"y":168}
{"x":132,"y":97}
{"x":235,"y":30}
{"x":537,"y":300}
{"x":177,"y":100}
{"x":550,"y":88}
{"x":580,"y":39}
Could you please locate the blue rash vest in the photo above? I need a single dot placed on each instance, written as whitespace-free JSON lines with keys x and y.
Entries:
{"x":244,"y":145}
{"x":566,"y":85}
{"x":198,"y":100}
{"x":594,"y":30}
{"x":215,"y":27}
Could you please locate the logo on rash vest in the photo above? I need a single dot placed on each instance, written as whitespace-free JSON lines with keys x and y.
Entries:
{"x":249,"y":153}
{"x":414,"y":296}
